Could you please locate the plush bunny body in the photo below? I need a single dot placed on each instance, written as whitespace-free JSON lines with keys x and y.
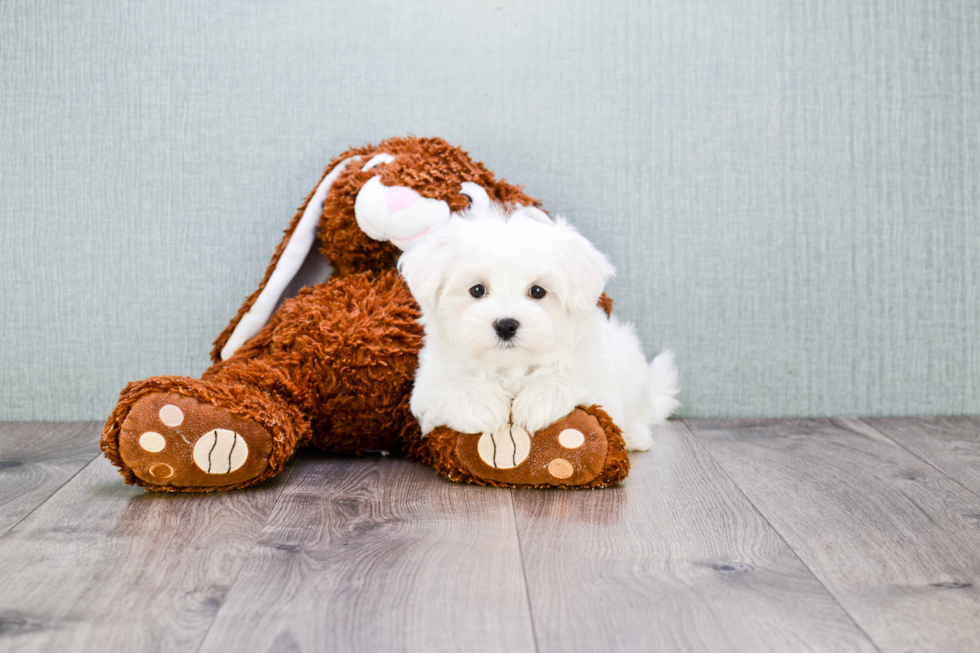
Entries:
{"x":329,"y":361}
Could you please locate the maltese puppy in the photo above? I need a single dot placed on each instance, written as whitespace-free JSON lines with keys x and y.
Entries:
{"x":513,"y":332}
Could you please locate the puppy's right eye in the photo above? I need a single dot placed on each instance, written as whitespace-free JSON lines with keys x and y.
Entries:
{"x":479,"y":290}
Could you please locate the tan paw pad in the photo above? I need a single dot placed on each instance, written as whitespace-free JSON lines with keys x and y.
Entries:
{"x":162,"y":471}
{"x":220,"y":452}
{"x":171,"y":415}
{"x":505,"y":448}
{"x":560,"y":468}
{"x":153,"y":442}
{"x":571,"y":438}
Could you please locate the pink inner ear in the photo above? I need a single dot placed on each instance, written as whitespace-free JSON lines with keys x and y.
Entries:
{"x":400,"y":197}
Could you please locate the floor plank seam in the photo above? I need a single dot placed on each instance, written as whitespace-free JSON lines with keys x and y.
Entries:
{"x":288,"y":473}
{"x":527,"y":588}
{"x":696,"y":442}
{"x":48,"y":498}
{"x":916,"y":455}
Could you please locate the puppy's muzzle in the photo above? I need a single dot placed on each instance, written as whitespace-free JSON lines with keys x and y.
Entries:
{"x":506,"y":328}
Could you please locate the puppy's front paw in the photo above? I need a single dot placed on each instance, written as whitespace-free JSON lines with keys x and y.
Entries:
{"x":540,"y":405}
{"x":470,"y":412}
{"x":478,"y":422}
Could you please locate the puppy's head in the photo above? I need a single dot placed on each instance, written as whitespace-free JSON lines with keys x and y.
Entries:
{"x":510,"y":288}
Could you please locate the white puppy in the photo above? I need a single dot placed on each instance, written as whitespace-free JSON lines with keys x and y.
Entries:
{"x":513,"y":332}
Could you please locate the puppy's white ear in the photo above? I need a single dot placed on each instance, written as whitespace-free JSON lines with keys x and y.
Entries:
{"x":426,"y":266}
{"x":586,"y":268}
{"x":534,"y":213}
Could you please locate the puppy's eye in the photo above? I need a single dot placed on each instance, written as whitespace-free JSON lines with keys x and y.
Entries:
{"x":537,"y":292}
{"x":479,"y":290}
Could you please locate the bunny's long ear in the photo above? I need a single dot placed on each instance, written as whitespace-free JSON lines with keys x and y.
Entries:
{"x":296,"y":263}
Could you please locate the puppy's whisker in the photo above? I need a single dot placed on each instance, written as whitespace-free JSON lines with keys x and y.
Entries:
{"x":508,"y":344}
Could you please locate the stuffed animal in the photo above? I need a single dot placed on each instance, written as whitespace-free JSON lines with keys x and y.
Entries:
{"x":327,"y":361}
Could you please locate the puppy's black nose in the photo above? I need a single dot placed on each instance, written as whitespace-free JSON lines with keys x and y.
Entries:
{"x":506,"y":328}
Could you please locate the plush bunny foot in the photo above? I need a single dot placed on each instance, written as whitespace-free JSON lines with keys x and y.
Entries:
{"x":170,"y":439}
{"x":184,"y":440}
{"x":583,"y":450}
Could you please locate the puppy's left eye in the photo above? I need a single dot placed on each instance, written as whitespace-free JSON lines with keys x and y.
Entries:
{"x":537,"y":292}
{"x":479,"y":290}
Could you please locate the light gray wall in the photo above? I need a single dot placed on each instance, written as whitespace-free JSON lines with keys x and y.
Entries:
{"x":789,"y":189}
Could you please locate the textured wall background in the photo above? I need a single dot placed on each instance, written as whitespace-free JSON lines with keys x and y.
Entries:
{"x":789,"y":189}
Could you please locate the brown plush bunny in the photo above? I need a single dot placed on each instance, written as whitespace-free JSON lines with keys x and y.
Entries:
{"x":332,"y":366}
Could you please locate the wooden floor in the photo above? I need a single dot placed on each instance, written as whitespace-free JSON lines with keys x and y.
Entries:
{"x":811,"y":535}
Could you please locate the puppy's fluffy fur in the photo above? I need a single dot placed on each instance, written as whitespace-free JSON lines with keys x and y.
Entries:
{"x":565,"y":352}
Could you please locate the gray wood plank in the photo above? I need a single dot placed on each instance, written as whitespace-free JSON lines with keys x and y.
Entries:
{"x":380,"y":554}
{"x":37,"y":458}
{"x":952,"y":444}
{"x":104,"y":566}
{"x":675,"y":559}
{"x":896,"y":541}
